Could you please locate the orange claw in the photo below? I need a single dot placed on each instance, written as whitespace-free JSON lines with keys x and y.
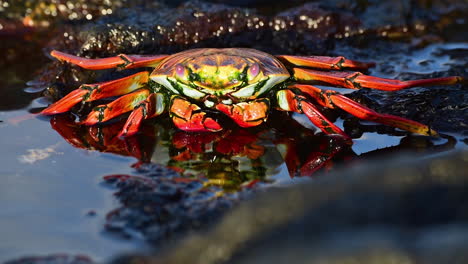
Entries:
{"x":247,"y":114}
{"x":190,"y":117}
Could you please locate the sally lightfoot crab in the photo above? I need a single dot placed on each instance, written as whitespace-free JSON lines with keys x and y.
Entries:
{"x":195,"y":86}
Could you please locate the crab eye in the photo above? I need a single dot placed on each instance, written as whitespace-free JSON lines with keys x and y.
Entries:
{"x":254,"y":70}
{"x":180,"y":70}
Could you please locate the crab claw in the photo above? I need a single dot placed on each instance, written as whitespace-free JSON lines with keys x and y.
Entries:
{"x":247,"y":114}
{"x":190,"y":117}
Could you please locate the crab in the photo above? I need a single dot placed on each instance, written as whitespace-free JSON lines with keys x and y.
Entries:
{"x":197,"y":86}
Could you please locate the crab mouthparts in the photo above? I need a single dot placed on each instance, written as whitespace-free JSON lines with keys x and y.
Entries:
{"x":217,"y":85}
{"x":213,"y":100}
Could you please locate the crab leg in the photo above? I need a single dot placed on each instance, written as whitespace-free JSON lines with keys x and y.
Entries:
{"x":332,"y":99}
{"x":153,"y":106}
{"x":142,"y":103}
{"x":91,"y":92}
{"x":190,"y":117}
{"x":357,"y":80}
{"x":327,"y":63}
{"x":120,"y":61}
{"x":247,"y":114}
{"x":121,"y":105}
{"x":290,"y":101}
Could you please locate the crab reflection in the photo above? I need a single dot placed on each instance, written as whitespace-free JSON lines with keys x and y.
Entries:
{"x":230,"y":159}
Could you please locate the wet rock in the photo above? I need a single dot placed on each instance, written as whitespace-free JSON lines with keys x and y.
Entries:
{"x":399,"y":212}
{"x":53,"y":259}
{"x":402,"y":19}
{"x":444,"y":108}
{"x":160,"y":205}
{"x":305,"y":29}
{"x":39,"y":13}
{"x":200,"y":24}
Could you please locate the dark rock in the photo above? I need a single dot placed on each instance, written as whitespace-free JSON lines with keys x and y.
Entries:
{"x":160,"y":205}
{"x":400,"y":212}
{"x":53,"y":259}
{"x":193,"y":24}
{"x":444,"y":108}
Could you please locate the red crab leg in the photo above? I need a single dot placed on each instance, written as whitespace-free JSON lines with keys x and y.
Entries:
{"x":91,"y":92}
{"x":289,"y":101}
{"x":120,"y":61}
{"x":190,"y":117}
{"x":247,"y":114}
{"x":153,"y":106}
{"x":332,"y":99}
{"x":121,"y":105}
{"x":324,"y":62}
{"x":357,"y":80}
